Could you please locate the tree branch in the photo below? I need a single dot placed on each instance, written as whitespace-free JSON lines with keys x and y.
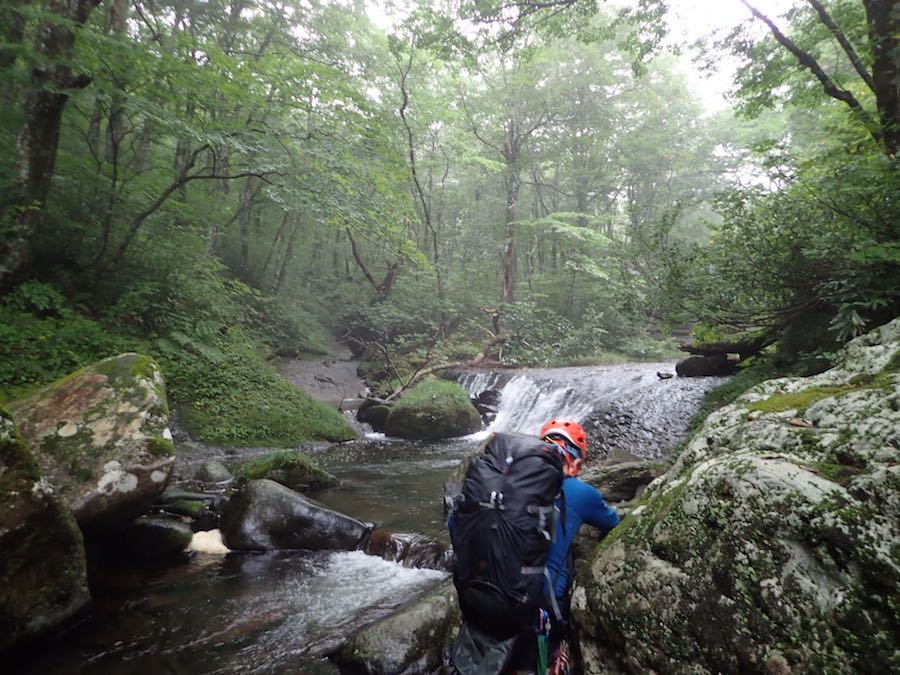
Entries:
{"x":845,"y":43}
{"x":808,"y":61}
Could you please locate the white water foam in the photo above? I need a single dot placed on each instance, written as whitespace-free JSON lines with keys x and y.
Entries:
{"x":526,"y":404}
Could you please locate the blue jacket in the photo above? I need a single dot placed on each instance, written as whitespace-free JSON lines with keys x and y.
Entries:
{"x":583,"y":504}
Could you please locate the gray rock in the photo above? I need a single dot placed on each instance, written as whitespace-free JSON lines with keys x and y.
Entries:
{"x":767,"y":546}
{"x":622,"y":482}
{"x":101,"y":439}
{"x":409,"y":641}
{"x":212,"y":472}
{"x":266,"y":515}
{"x":43,"y":578}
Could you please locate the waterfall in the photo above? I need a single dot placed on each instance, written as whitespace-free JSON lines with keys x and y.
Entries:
{"x":624,"y":407}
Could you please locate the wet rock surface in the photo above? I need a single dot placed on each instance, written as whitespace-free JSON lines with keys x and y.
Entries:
{"x":622,"y":482}
{"x":43,"y":575}
{"x":768,"y":546}
{"x":266,"y":515}
{"x":101,"y":438}
{"x":154,"y":539}
{"x":409,"y":641}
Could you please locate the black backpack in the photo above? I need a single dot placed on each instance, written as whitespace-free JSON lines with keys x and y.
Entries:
{"x":502,"y":526}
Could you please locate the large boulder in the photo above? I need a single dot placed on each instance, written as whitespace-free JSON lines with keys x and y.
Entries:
{"x":705,"y":366}
{"x":432,"y":410}
{"x":374,"y":412}
{"x":266,"y":515}
{"x":773,"y":543}
{"x":410,"y":640}
{"x":43,"y":578}
{"x":101,"y":439}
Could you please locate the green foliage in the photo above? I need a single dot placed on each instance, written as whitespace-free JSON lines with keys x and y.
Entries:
{"x":40,"y":349}
{"x":300,"y":466}
{"x":433,"y":392}
{"x":237,"y":398}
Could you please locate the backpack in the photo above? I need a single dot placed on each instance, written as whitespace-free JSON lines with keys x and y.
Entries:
{"x":501,"y":526}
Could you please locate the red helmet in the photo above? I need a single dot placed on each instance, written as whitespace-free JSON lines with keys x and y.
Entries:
{"x":571,"y":439}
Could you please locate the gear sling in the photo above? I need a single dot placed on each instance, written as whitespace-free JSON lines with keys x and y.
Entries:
{"x":501,"y":525}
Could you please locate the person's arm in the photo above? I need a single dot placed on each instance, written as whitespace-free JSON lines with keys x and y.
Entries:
{"x":599,"y":513}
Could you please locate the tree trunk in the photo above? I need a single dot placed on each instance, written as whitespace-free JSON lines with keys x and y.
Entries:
{"x":883,"y":18}
{"x":22,"y":208}
{"x":508,"y":294}
{"x":288,"y":255}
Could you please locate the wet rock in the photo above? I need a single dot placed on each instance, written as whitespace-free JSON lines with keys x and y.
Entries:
{"x":433,"y":410}
{"x":766,"y":545}
{"x":411,"y":640}
{"x":622,"y":482}
{"x":489,"y":398}
{"x":43,"y":578}
{"x":154,"y":538}
{"x":101,"y":439}
{"x":266,"y":515}
{"x":410,"y":550}
{"x":212,"y":472}
{"x":374,"y":412}
{"x":704,"y":366}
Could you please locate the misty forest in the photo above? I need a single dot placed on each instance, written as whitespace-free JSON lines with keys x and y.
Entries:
{"x":265,"y":260}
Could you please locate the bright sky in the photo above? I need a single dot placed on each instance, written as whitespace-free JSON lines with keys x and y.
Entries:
{"x":689,"y":20}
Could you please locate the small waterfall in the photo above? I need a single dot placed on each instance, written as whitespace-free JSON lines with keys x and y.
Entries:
{"x":477,"y":382}
{"x":624,"y":407}
{"x":526,"y":403}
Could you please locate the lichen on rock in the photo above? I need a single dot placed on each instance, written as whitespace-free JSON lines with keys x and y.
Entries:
{"x":43,"y":577}
{"x":767,"y":545}
{"x":101,"y":438}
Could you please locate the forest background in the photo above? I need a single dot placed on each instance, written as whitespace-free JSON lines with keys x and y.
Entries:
{"x":214,"y":182}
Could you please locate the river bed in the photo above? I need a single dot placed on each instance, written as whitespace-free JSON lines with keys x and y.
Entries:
{"x":283,"y":612}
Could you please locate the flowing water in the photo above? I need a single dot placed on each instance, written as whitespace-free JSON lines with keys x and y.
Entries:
{"x":285,"y":611}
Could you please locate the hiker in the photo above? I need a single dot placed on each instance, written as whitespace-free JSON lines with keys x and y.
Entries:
{"x":583,"y":504}
{"x":512,"y":527}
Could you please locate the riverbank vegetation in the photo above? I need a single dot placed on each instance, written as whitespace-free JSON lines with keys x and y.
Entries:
{"x":217,"y":182}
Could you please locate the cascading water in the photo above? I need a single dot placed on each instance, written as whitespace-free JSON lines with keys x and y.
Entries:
{"x":625,"y":408}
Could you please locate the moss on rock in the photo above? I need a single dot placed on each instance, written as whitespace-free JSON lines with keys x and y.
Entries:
{"x":101,"y":437}
{"x":765,"y":543}
{"x":431,"y":410}
{"x":290,"y":468}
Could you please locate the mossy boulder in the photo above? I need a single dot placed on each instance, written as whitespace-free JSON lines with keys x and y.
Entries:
{"x":152,"y":538}
{"x":374,"y":412}
{"x":432,"y":410}
{"x":772,"y":544}
{"x":290,"y":468}
{"x":265,"y":515}
{"x":101,"y":438}
{"x":43,"y":578}
{"x":411,"y":640}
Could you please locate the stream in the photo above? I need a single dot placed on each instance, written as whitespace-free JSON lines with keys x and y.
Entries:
{"x":285,"y":611}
